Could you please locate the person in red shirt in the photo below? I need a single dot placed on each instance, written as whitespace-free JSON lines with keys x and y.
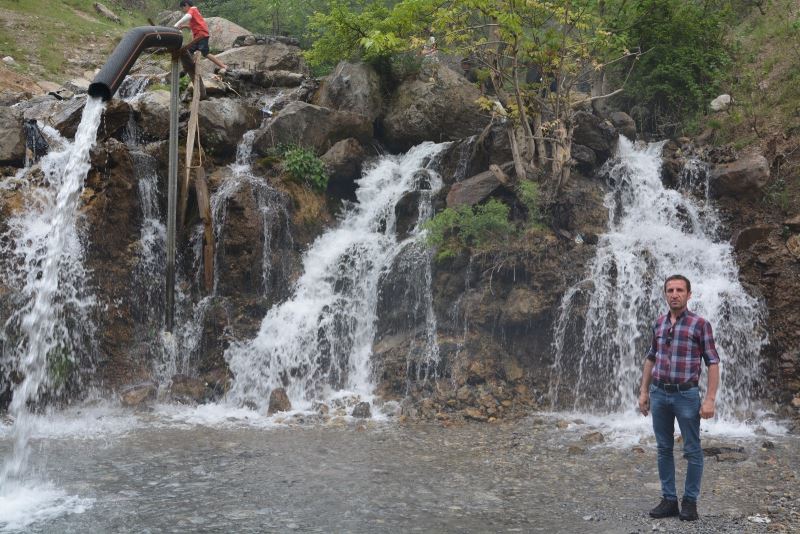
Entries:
{"x":193,"y":20}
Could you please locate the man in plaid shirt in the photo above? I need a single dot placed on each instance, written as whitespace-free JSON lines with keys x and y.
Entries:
{"x":669,"y":389}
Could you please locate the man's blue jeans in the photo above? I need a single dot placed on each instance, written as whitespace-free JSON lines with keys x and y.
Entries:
{"x":666,"y":406}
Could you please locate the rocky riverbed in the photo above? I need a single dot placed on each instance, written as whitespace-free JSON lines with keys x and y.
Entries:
{"x":176,"y":470}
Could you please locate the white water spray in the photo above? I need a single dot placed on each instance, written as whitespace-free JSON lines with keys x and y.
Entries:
{"x":43,"y":339}
{"x":602,"y":331}
{"x":320,"y":341}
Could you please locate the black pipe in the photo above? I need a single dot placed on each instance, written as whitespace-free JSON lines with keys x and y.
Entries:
{"x":123,"y":57}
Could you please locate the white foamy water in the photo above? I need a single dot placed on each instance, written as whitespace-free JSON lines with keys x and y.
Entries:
{"x":23,"y":504}
{"x":603,"y":329}
{"x":320,"y":340}
{"x":46,"y":336}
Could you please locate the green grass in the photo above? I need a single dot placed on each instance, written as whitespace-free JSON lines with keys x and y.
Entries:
{"x":46,"y":33}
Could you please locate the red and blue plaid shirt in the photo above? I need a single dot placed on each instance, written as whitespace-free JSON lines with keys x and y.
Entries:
{"x":677,"y":349}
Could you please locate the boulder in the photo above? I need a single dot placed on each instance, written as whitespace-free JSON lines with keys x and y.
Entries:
{"x":353,"y":87}
{"x":745,"y":238}
{"x":312,"y":127}
{"x":135,"y":395}
{"x":273,"y":56}
{"x":584,"y":158}
{"x":740,"y":179}
{"x":474,"y":190}
{"x":278,"y":78}
{"x":793,"y":244}
{"x":362,"y":410}
{"x":343,"y":163}
{"x":721,"y":103}
{"x":595,"y":133}
{"x":278,"y":401}
{"x":151,"y":111}
{"x":115,"y":118}
{"x":223,"y":33}
{"x":187,"y":390}
{"x":39,"y":108}
{"x":444,"y":110}
{"x":624,"y":123}
{"x":222,"y":122}
{"x":168,"y":18}
{"x":793,"y":223}
{"x":107,"y":13}
{"x":12,"y":137}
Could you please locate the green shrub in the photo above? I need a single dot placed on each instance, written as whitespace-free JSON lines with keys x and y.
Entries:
{"x":303,"y":166}
{"x":468,"y":227}
{"x":530,"y":198}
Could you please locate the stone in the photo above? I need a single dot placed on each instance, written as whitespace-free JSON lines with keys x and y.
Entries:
{"x":513,"y":370}
{"x":595,"y":133}
{"x":464,"y":394}
{"x":343,"y":162}
{"x":721,"y":103}
{"x":107,"y":13}
{"x":278,"y":401}
{"x":362,"y":410}
{"x":69,"y":112}
{"x":311,"y":127}
{"x":741,"y":179}
{"x":187,"y":389}
{"x":12,"y":137}
{"x":353,"y":87}
{"x":475,"y":189}
{"x":745,"y":238}
{"x":151,"y":112}
{"x":475,"y":414}
{"x":135,"y":395}
{"x":593,"y":437}
{"x":793,"y":245}
{"x":583,"y":158}
{"x":444,"y":110}
{"x":793,"y":223}
{"x":222,"y":123}
{"x":223,"y":33}
{"x":731,"y":457}
{"x":575,"y":450}
{"x":278,"y":78}
{"x":624,"y":123}
{"x":261,"y":57}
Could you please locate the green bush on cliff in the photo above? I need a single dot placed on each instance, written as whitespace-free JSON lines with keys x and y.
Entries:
{"x":468,"y":227}
{"x":530,"y":198}
{"x":303,"y":166}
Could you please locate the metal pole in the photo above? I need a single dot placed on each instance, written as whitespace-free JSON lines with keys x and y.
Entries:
{"x":172,"y":193}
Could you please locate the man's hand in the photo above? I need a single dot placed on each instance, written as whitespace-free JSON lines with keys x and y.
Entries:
{"x":644,"y":403}
{"x":707,"y":408}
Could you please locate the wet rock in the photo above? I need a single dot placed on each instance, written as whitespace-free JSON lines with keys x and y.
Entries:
{"x":343,"y":162}
{"x":320,"y":407}
{"x":136,"y":395}
{"x":575,"y":450}
{"x":745,"y":238}
{"x":584,"y":157}
{"x":475,"y":414}
{"x":740,"y":179}
{"x":443,"y":110}
{"x":278,"y":401}
{"x":353,"y":87}
{"x":475,"y":189}
{"x":12,"y":137}
{"x":362,"y":410}
{"x":68,"y":116}
{"x":151,"y":112}
{"x":624,"y":123}
{"x":278,"y":78}
{"x":261,"y":57}
{"x":222,"y":123}
{"x":793,"y":245}
{"x":793,"y":223}
{"x":593,"y":438}
{"x":595,"y":133}
{"x":187,"y":389}
{"x":312,"y":127}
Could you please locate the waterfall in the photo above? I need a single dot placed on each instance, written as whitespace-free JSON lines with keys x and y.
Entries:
{"x":603,"y":329}
{"x":319,"y":342}
{"x":50,"y":333}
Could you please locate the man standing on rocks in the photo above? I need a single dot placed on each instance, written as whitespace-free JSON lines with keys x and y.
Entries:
{"x":193,"y":20}
{"x":670,"y":391}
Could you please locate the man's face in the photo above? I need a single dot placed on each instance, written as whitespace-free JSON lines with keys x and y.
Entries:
{"x":677,"y":295}
{"x":185,"y":9}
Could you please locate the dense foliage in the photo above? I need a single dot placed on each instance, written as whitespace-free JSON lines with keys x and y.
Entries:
{"x":468,"y":228}
{"x":303,"y":166}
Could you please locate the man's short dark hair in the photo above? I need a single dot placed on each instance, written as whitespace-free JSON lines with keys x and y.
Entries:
{"x":185,"y":3}
{"x":679,"y":277}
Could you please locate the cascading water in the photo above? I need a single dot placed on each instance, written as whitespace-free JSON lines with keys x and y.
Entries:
{"x":603,"y":328}
{"x":319,"y":342}
{"x":50,"y":333}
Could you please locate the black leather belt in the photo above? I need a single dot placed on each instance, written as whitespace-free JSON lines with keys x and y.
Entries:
{"x":666,"y":386}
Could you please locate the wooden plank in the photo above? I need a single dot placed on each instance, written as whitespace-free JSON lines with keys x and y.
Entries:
{"x":191,"y":134}
{"x":204,"y":205}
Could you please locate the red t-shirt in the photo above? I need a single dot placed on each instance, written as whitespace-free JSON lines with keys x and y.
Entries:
{"x":197,"y":23}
